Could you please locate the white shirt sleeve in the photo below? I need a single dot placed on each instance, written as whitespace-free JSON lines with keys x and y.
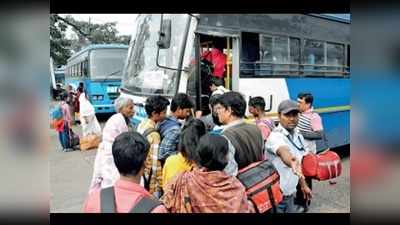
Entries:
{"x":275,"y":140}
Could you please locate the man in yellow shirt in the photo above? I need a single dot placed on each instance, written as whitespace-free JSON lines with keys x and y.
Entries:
{"x":156,"y":109}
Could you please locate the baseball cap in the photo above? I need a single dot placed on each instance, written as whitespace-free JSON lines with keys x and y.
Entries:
{"x":287,"y":106}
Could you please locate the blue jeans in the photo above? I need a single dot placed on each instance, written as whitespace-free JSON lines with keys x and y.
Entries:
{"x":287,"y":205}
{"x":64,"y":137}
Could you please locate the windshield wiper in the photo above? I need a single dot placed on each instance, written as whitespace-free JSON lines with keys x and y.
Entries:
{"x":111,"y":74}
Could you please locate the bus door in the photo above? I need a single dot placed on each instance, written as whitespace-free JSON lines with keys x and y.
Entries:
{"x":229,"y":47}
{"x":224,"y":44}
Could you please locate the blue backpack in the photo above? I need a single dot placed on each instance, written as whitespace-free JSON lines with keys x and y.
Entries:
{"x":56,"y":112}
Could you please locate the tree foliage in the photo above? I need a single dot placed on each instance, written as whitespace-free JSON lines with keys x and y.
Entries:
{"x":87,"y":33}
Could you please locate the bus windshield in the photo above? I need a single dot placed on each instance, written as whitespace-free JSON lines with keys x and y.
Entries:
{"x":107,"y":63}
{"x":141,"y":74}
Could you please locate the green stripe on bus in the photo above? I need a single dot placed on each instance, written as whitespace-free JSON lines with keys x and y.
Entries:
{"x":324,"y":110}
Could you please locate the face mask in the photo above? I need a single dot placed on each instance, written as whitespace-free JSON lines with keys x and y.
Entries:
{"x":215,"y":119}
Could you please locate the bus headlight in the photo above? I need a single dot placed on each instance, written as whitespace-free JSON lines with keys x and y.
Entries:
{"x":97,"y":97}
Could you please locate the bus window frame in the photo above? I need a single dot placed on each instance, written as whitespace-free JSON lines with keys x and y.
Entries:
{"x":300,"y":71}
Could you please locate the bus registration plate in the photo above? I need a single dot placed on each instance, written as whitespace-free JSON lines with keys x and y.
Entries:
{"x":112,"y":89}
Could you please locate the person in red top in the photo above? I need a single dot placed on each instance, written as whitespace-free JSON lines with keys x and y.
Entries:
{"x":217,"y":58}
{"x":129,"y":151}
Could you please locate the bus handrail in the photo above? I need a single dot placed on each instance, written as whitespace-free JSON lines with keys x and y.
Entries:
{"x":294,"y":64}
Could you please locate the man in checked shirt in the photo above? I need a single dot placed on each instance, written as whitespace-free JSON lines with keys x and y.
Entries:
{"x":156,"y":108}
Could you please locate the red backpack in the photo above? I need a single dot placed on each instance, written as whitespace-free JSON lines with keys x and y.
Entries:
{"x":261,"y":181}
{"x":322,"y":166}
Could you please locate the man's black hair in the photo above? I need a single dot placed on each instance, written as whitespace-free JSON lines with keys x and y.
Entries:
{"x":308,"y":98}
{"x":234,"y":100}
{"x":64,"y":96}
{"x":155,"y":104}
{"x":217,"y":81}
{"x":182,"y":101}
{"x":212,"y":150}
{"x":130,"y":150}
{"x":213,"y":99}
{"x":257,"y":102}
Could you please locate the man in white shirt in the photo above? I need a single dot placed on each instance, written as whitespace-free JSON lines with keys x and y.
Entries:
{"x":285,"y":149}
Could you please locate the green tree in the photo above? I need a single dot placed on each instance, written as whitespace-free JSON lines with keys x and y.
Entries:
{"x":59,"y":44}
{"x":93,"y":33}
{"x":87,"y":33}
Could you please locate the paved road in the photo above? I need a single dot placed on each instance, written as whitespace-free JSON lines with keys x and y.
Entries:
{"x":70,"y":175}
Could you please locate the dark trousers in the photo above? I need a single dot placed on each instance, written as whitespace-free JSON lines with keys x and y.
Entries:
{"x":287,"y":205}
{"x":299,"y":199}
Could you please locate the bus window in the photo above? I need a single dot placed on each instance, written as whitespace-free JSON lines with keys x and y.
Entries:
{"x":85,"y":68}
{"x":294,"y":55}
{"x":250,"y":53}
{"x":79,"y":69}
{"x":313,"y":54}
{"x":335,"y":57}
{"x":348,"y":60}
{"x":280,"y":56}
{"x":266,"y":56}
{"x":81,"y":66}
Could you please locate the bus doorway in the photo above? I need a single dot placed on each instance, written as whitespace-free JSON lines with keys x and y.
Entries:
{"x":218,"y":51}
{"x":216,"y":58}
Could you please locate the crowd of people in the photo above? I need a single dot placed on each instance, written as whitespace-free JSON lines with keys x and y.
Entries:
{"x":75,"y":106}
{"x":187,"y":162}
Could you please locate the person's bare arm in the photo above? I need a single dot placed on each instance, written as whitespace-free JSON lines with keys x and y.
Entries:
{"x":291,"y":161}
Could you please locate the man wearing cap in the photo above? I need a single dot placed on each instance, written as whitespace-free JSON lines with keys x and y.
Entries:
{"x":285,"y":149}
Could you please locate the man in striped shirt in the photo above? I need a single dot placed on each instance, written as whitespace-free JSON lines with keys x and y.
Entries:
{"x":310,"y":126}
{"x":310,"y":123}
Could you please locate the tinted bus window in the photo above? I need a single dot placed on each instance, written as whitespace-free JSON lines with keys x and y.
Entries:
{"x":250,"y":52}
{"x":335,"y":56}
{"x":266,"y":48}
{"x":280,"y":50}
{"x":294,"y":50}
{"x":313,"y":52}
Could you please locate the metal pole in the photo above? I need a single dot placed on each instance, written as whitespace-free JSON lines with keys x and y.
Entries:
{"x":197,"y":71}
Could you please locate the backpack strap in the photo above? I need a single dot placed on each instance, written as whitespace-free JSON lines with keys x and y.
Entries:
{"x":148,"y":131}
{"x":147,"y":180}
{"x":107,"y":200}
{"x":145,"y":205}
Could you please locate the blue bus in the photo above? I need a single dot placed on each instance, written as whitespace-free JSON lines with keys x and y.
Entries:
{"x":59,"y":74}
{"x":275,"y":56}
{"x":99,"y":68}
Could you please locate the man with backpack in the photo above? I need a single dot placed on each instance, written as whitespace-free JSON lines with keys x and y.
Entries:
{"x":246,"y":139}
{"x":170,"y":128}
{"x":156,"y":109}
{"x":129,"y":151}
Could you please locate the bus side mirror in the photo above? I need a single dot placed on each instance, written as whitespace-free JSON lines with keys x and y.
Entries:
{"x":164,"y":40}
